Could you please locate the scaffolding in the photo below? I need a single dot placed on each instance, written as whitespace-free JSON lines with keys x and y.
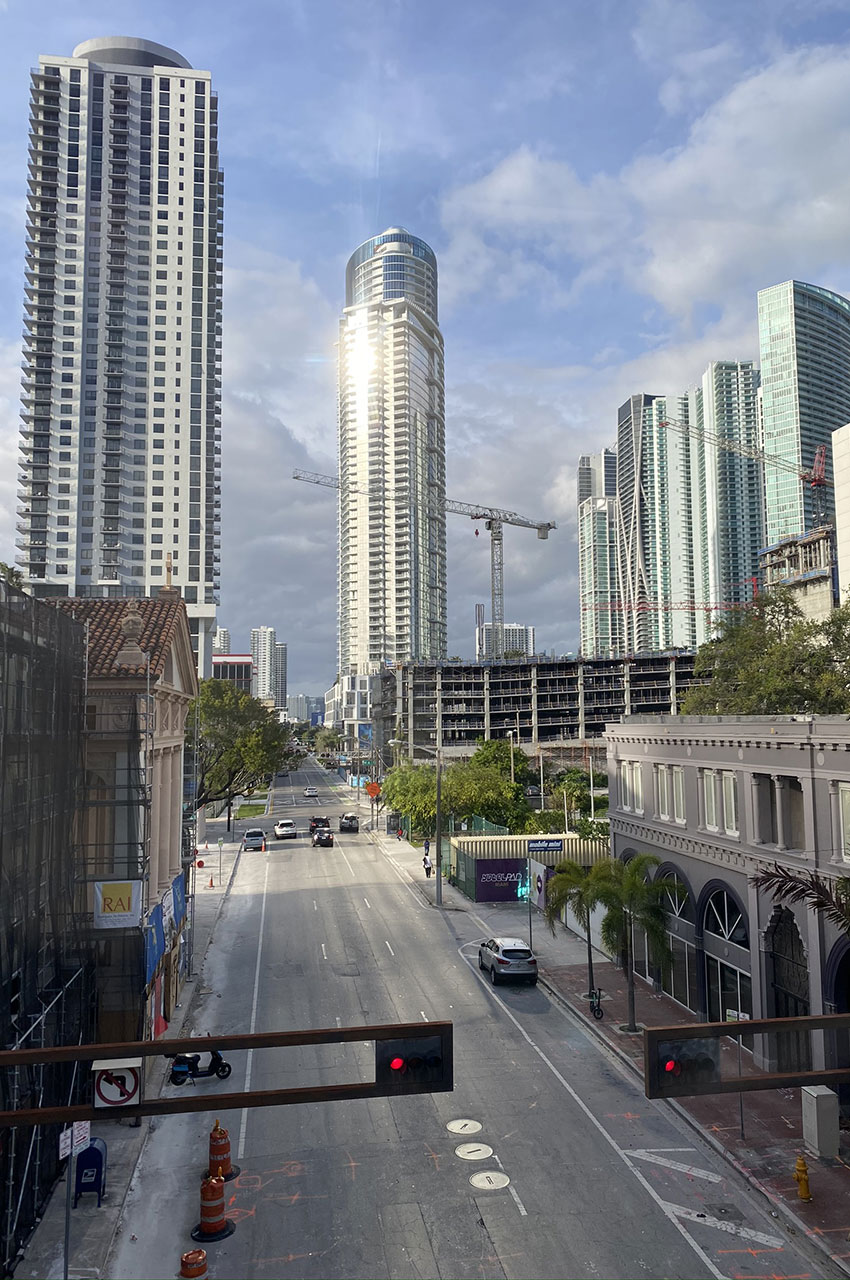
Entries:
{"x":46,"y":964}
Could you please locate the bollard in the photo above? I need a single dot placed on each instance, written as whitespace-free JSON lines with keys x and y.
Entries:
{"x":193,"y":1265}
{"x":801,"y":1177}
{"x":214,"y":1225}
{"x":220,"y":1161}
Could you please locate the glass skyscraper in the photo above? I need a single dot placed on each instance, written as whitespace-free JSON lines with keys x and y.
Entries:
{"x":392,"y":466}
{"x":804,"y":343}
{"x":121,"y":419}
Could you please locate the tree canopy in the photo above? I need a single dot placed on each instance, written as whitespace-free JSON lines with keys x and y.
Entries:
{"x":766,"y":659}
{"x":240,"y":742}
{"x":479,"y":786}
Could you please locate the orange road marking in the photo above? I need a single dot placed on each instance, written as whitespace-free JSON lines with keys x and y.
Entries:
{"x":432,"y":1155}
{"x":352,"y":1165}
{"x":293,"y":1199}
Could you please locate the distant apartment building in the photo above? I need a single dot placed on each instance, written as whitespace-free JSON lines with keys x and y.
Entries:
{"x":804,"y":343}
{"x":121,"y":419}
{"x":263,"y":640}
{"x":841,"y":470}
{"x":236,"y":668}
{"x":518,"y":640}
{"x":596,"y":475}
{"x":279,"y":676}
{"x":298,"y":706}
{"x":221,"y":640}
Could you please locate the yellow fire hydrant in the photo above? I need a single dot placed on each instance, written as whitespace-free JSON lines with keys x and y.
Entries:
{"x":801,"y":1177}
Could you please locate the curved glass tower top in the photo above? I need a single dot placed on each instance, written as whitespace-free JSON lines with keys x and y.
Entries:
{"x":394,"y":264}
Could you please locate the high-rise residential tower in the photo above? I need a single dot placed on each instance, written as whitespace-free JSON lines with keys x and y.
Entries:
{"x":392,"y":470}
{"x":804,"y":343}
{"x":263,"y":640}
{"x":122,"y":356}
{"x":726,"y":494}
{"x":517,"y":640}
{"x":279,"y":676}
{"x":221,"y":640}
{"x":600,"y":611}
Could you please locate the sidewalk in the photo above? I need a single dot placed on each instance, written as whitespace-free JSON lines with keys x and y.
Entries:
{"x":92,"y":1228}
{"x":773,"y":1136}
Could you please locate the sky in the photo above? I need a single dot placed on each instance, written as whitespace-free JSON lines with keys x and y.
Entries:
{"x":606,"y":187}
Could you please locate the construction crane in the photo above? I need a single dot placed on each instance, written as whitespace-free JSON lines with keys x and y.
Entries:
{"x":816,"y":478}
{"x":494,"y":518}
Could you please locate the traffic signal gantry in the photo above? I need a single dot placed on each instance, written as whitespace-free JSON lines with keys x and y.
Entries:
{"x":410,"y":1057}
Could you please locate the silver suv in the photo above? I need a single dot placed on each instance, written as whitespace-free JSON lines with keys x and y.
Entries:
{"x":507,"y":958}
{"x":254,"y":839}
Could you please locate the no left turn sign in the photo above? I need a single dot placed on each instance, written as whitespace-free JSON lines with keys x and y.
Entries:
{"x":116,"y":1086}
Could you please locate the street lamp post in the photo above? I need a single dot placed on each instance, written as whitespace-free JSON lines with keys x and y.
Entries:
{"x":511,"y":736}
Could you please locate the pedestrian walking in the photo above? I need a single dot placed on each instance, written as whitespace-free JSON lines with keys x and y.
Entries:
{"x":427,"y":845}
{"x":426,"y":862}
{"x":399,"y":834}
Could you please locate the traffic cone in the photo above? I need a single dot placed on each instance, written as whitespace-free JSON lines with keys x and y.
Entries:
{"x":220,"y":1161}
{"x":211,"y":885}
{"x":193,"y":1265}
{"x":214,"y":1225}
{"x":206,"y":846}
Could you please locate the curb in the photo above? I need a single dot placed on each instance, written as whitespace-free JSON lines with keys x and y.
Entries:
{"x":790,"y":1219}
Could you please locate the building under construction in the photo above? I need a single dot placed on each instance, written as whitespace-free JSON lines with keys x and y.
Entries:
{"x":558,"y":704}
{"x":46,"y":968}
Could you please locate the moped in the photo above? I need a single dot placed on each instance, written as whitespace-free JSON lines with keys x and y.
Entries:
{"x":187,"y":1066}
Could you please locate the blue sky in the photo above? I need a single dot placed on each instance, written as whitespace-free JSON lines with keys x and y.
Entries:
{"x":606,"y":186}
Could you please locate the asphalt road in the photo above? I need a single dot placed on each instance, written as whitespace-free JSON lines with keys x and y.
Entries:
{"x":601,"y":1183}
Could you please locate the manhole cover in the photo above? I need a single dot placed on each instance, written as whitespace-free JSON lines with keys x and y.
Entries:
{"x":463,"y":1126}
{"x":474,"y":1151}
{"x":490,"y":1180}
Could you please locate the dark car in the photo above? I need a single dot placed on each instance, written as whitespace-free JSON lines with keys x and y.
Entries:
{"x":349,"y":822}
{"x":319,"y":822}
{"x":323,"y":838}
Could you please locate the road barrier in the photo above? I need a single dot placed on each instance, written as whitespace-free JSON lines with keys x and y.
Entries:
{"x":193,"y":1265}
{"x":220,"y":1162}
{"x":214,"y":1224}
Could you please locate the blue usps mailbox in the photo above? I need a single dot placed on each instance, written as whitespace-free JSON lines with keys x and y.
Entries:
{"x":91,"y":1170}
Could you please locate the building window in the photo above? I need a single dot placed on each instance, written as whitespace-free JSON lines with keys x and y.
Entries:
{"x":844,"y":797}
{"x":709,"y":799}
{"x":724,"y":919}
{"x":637,"y":786}
{"x":679,"y":814}
{"x":730,"y":803}
{"x":662,"y":791}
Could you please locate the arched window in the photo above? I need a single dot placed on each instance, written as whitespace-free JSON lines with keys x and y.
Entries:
{"x":724,"y":918}
{"x":677,"y":900}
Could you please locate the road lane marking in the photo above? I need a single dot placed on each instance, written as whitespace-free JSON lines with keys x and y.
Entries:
{"x":388,"y":947}
{"x":423,"y":1016}
{"x":691,"y":1170}
{"x":324,"y":952}
{"x":347,"y":863}
{"x":403,"y":878}
{"x":512,"y":1189}
{"x":368,"y":903}
{"x":338,"y":1021}
{"x":315,"y":905}
{"x":667,"y":1210}
{"x":243,"y":1123}
{"x":720,"y":1224}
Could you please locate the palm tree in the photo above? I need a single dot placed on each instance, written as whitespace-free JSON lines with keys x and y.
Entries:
{"x":632,"y":901}
{"x":8,"y":573}
{"x":573,"y":886}
{"x":827,"y":898}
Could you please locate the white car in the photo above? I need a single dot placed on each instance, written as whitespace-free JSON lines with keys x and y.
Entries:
{"x":285,"y":829}
{"x":310,"y":792}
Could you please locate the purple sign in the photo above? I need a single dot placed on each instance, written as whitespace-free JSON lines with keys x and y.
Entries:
{"x":499,"y":879}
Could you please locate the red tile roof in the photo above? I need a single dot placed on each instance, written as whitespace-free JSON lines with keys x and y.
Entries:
{"x":160,"y":617}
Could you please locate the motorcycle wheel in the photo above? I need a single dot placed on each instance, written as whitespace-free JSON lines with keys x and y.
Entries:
{"x":223,"y":1071}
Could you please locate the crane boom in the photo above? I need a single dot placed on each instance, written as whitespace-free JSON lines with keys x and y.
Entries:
{"x":494,"y":518}
{"x":745,"y":450}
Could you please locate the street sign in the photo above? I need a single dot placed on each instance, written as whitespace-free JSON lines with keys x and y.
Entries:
{"x":220,"y":841}
{"x":117,"y":1084}
{"x":65,"y":1143}
{"x":81,"y":1135}
{"x":373,"y":790}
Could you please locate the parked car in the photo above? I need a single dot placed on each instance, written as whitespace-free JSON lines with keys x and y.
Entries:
{"x":349,"y":822}
{"x":310,"y":792}
{"x":319,"y":822}
{"x":505,"y":958}
{"x":323,"y":837}
{"x":254,"y":839}
{"x":285,"y":829}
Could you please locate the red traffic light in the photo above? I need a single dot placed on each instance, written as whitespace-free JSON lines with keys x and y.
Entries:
{"x":397,"y":1064}
{"x":672,"y":1067}
{"x":414,"y":1064}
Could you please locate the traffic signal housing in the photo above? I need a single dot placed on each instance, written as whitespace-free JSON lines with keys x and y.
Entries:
{"x":681,"y":1068}
{"x":415,"y":1063}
